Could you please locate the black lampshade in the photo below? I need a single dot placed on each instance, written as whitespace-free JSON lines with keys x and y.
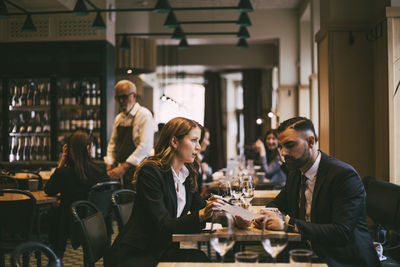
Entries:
{"x":183,"y":44}
{"x":244,"y":20}
{"x":242,"y":44}
{"x":125,"y":43}
{"x":245,"y":6}
{"x":28,"y":24}
{"x":3,"y":10}
{"x":171,"y":21}
{"x":98,"y":23}
{"x":80,"y":8}
{"x":178,"y":34}
{"x":243,"y":33}
{"x":162,"y":6}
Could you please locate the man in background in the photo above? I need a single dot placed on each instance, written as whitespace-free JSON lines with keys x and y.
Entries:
{"x":132,"y":136}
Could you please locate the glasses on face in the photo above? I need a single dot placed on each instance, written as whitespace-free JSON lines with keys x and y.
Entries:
{"x":123,"y":97}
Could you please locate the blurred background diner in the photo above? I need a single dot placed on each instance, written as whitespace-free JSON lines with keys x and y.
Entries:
{"x":237,"y":67}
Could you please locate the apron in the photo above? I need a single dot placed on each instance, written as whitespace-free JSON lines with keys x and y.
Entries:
{"x":124,"y":147}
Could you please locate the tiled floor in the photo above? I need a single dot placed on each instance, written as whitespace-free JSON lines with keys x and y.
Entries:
{"x":74,"y":258}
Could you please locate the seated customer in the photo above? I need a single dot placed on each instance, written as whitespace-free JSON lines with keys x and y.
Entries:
{"x":167,"y":202}
{"x":271,"y":159}
{"x":75,"y":175}
{"x":324,"y":199}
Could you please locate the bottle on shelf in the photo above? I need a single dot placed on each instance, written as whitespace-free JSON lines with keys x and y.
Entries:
{"x":47,"y":93}
{"x":20,"y":150}
{"x":27,"y":148}
{"x":13,"y":149}
{"x":98,"y":95}
{"x":33,"y":151}
{"x":42,"y":94}
{"x":61,"y":124}
{"x":15,"y":97}
{"x":22,"y":123}
{"x":22,"y":97}
{"x":46,"y":124}
{"x":93,"y":96}
{"x":98,"y":148}
{"x":36,"y":96}
{"x":67,"y":92}
{"x":46,"y":148}
{"x":73,"y":93}
{"x":93,"y":148}
{"x":29,"y":95}
{"x":87,"y":95}
{"x":38,"y":124}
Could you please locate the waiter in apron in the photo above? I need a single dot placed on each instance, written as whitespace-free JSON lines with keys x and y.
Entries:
{"x":132,"y":137}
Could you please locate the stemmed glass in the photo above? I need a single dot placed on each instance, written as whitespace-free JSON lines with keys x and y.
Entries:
{"x":274,"y":241}
{"x":247,"y":189}
{"x":223,"y":239}
{"x":236,"y":191}
{"x":224,"y":189}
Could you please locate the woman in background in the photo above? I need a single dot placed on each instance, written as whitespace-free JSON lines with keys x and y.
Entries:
{"x":167,"y":202}
{"x":75,"y":175}
{"x":271,"y":159}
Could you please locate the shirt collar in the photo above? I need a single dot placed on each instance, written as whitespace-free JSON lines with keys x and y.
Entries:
{"x":312,"y":172}
{"x":134,"y":109}
{"x":181,"y":175}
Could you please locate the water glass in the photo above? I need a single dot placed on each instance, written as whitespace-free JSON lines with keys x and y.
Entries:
{"x":301,"y":257}
{"x":246,"y":257}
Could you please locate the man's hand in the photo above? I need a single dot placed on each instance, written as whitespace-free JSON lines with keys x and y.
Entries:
{"x":118,"y":172}
{"x":242,"y":223}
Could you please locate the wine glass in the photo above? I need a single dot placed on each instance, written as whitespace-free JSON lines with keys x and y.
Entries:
{"x":274,"y":241}
{"x":224,"y":189}
{"x":247,"y":189}
{"x":236,"y":191}
{"x":223,"y":239}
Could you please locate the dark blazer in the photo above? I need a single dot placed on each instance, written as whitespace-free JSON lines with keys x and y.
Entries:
{"x":338,"y":230}
{"x":153,"y":219}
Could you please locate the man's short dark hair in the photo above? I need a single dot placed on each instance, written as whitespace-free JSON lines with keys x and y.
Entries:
{"x":298,"y":124}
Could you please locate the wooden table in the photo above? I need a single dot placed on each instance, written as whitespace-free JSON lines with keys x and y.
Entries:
{"x":41,"y":197}
{"x":216,"y":264}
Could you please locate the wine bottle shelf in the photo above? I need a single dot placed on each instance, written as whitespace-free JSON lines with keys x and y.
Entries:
{"x":79,"y":107}
{"x":29,"y":134}
{"x":94,"y":133}
{"x":30,"y":108}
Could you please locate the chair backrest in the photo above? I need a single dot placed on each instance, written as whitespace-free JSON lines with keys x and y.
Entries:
{"x":123,"y":200}
{"x":383,"y":202}
{"x":93,"y":230}
{"x":26,"y":249}
{"x":18,"y":209}
{"x":8,"y":182}
{"x":100,"y":195}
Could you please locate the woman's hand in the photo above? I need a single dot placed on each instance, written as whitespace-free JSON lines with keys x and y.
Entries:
{"x":260,"y":148}
{"x":213,"y":203}
{"x":64,"y":156}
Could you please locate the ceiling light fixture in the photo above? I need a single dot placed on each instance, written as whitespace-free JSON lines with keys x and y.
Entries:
{"x":183,"y":44}
{"x":245,"y":6}
{"x":171,"y":21}
{"x":243,"y":33}
{"x":244,"y":20}
{"x":178,"y":34}
{"x":162,"y":6}
{"x":80,"y":8}
{"x":242,"y":44}
{"x":28,"y":25}
{"x":124,"y":43}
{"x":98,"y":23}
{"x":3,"y":10}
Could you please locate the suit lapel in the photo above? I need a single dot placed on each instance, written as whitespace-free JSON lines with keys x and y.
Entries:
{"x":321,"y":174}
{"x":188,"y":203}
{"x":172,"y":191}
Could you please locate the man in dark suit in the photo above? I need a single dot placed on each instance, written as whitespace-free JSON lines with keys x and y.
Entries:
{"x":324,"y":199}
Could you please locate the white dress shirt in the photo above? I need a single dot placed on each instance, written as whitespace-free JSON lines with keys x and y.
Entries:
{"x":179,"y":179}
{"x":311,"y":175}
{"x":142,"y":133}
